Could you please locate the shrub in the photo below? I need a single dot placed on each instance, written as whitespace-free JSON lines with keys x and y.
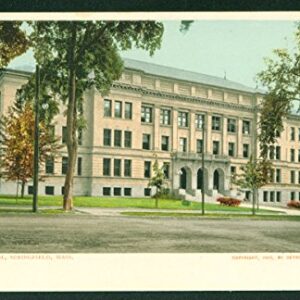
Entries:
{"x":229,"y":201}
{"x":293,"y":203}
{"x":185,"y":202}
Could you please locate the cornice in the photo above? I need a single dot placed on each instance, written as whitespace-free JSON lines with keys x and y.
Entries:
{"x":160,"y":94}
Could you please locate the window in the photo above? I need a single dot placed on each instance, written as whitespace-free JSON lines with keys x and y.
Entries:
{"x":165,"y":117}
{"x":166,"y":168}
{"x":292,"y":155}
{"x":127,"y":139}
{"x":64,"y":135}
{"x":79,"y":166}
{"x":106,"y":166}
{"x":128,"y":110}
{"x":231,"y":125}
{"x":182,"y":144}
{"x":147,"y":192}
{"x":30,"y":190}
{"x":246,"y":127}
{"x":146,"y":141}
{"x":298,"y":155}
{"x":292,"y":176}
{"x":245,"y":150}
{"x":247,"y":195}
{"x":147,"y":169}
{"x":292,"y":133}
{"x":117,"y":167}
{"x":216,"y":123}
{"x":118,"y":138}
{"x":199,"y":120}
{"x":146,"y":116}
{"x":233,"y":170}
{"x":127,"y":191}
{"x":118,"y":109}
{"x":64,"y":165}
{"x":107,"y":108}
{"x":298,"y":134}
{"x":271,"y":152}
{"x":278,"y":196}
{"x":183,"y":119}
{"x":298,"y":177}
{"x":272,"y":196}
{"x":278,"y":152}
{"x":231,"y":149}
{"x":272,"y":175}
{"x":292,"y":195}
{"x":278,"y":175}
{"x":49,"y":190}
{"x":79,"y":136}
{"x":216,"y":147}
{"x":107,"y":137}
{"x":117,"y":191}
{"x":62,"y":190}
{"x":199,"y":146}
{"x":265,"y":196}
{"x":49,"y":165}
{"x":106,"y":191}
{"x":127,"y":167}
{"x":165,"y":143}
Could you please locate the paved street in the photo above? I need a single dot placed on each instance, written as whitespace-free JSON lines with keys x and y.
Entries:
{"x":119,"y":234}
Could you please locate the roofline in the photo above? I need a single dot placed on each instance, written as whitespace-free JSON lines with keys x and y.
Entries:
{"x":5,"y":71}
{"x":254,"y":92}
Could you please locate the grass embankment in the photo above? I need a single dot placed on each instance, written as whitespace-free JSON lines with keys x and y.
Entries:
{"x":147,"y":203}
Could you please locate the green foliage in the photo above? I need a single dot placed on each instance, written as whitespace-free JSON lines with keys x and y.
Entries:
{"x":17,"y":143}
{"x":255,"y":174}
{"x":78,"y":55}
{"x":13,"y":41}
{"x":281,"y":77}
{"x":158,"y":179}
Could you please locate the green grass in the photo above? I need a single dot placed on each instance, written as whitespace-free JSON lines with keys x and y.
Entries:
{"x":212,"y":216}
{"x":120,"y":203}
{"x":15,"y":210}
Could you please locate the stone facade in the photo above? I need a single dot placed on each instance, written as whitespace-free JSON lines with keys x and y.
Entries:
{"x":148,"y":109}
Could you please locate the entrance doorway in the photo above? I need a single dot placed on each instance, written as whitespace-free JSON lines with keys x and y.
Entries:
{"x":183,"y":178}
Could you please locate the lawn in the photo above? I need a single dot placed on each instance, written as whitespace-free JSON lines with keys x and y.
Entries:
{"x":119,"y":203}
{"x":274,"y":217}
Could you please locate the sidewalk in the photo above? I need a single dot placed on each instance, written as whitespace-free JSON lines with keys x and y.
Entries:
{"x":288,"y":211}
{"x":117,"y":211}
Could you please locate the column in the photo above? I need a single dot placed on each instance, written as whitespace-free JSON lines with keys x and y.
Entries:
{"x":208,"y":137}
{"x":174,"y":130}
{"x":239,"y":138}
{"x":192,"y":147}
{"x":224,"y":137}
{"x":156,"y":122}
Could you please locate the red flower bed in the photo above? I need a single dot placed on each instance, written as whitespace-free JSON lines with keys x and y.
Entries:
{"x":293,"y":203}
{"x":229,"y":201}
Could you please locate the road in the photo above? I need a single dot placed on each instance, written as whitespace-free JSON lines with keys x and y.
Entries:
{"x":83,"y":233}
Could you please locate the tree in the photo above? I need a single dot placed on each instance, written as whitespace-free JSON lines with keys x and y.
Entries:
{"x":13,"y":41}
{"x":255,"y":174}
{"x":281,"y":77}
{"x":78,"y":55}
{"x":158,"y":180}
{"x":17,"y":144}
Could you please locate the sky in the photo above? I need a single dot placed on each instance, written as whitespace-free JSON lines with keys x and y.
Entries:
{"x":236,"y":48}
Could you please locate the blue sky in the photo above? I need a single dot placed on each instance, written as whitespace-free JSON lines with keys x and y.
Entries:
{"x":213,"y":47}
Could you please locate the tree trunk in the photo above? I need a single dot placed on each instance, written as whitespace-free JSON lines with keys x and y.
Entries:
{"x":253,"y":201}
{"x":71,"y":124}
{"x":22,"y":189}
{"x":257,"y":200}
